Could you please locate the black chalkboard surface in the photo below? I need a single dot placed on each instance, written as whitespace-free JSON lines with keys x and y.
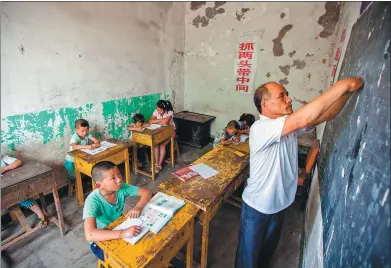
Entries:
{"x":354,"y":161}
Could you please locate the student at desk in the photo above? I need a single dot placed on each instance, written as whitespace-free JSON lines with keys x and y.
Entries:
{"x":163,"y":115}
{"x":106,"y":203}
{"x":272,"y":185}
{"x":245,"y":122}
{"x":9,"y":163}
{"x":79,"y":140}
{"x":229,"y":134}
{"x":138,"y":125}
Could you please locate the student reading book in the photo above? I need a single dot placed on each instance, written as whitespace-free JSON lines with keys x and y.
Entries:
{"x":155,"y":215}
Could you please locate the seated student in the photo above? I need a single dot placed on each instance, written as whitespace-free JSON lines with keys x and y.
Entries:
{"x":245,"y":122}
{"x":81,"y":139}
{"x":229,"y":134}
{"x":106,"y":203}
{"x":163,"y":115}
{"x":10,"y":163}
{"x":138,"y":125}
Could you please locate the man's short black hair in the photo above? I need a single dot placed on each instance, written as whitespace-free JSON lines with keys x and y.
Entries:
{"x":99,"y":169}
{"x":138,"y":118}
{"x":81,"y":123}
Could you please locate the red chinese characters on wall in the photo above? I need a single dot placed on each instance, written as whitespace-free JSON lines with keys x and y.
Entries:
{"x":244,"y":66}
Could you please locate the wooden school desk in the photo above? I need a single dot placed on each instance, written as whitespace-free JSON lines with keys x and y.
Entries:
{"x":209,"y":195}
{"x":152,"y":138}
{"x":28,"y":181}
{"x":84,"y":163}
{"x":243,"y":147}
{"x":153,"y":250}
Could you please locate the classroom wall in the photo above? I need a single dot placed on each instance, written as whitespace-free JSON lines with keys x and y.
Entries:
{"x":212,"y":33}
{"x":100,"y":61}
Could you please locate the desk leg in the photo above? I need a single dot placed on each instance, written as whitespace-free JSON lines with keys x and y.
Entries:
{"x":60,"y":216}
{"x":43,"y":204}
{"x":205,"y":241}
{"x":153,"y":161}
{"x":127,"y":167}
{"x":79,"y":187}
{"x":135,"y":168}
{"x":189,"y":249}
{"x":172,"y":151}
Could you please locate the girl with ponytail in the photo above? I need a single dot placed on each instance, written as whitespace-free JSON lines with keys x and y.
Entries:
{"x":163,"y":115}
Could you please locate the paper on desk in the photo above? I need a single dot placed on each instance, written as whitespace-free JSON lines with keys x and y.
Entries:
{"x":107,"y":144}
{"x":205,"y":171}
{"x":104,"y":145}
{"x":133,"y":222}
{"x":154,"y":126}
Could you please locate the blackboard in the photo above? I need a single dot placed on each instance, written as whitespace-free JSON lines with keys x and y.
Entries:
{"x":354,"y":162}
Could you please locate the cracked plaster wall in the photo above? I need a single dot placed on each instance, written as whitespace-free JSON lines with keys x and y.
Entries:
{"x":100,"y":61}
{"x":295,"y":48}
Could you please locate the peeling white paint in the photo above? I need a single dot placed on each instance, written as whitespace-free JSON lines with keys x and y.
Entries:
{"x":384,"y":197}
{"x":381,"y":73}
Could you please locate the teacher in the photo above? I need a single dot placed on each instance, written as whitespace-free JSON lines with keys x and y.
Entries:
{"x":272,"y":184}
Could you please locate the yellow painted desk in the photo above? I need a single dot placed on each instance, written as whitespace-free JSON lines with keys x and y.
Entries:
{"x":153,"y":250}
{"x":84,"y":163}
{"x":243,"y":147}
{"x":152,"y":138}
{"x":209,"y":195}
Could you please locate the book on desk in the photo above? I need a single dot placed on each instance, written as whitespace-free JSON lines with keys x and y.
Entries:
{"x":154,"y":216}
{"x":187,"y":173}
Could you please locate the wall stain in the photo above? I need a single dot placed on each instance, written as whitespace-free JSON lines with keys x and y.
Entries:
{"x":278,"y":50}
{"x":155,"y":24}
{"x":200,"y":21}
{"x":301,"y":101}
{"x":324,"y":61}
{"x":282,"y":15}
{"x":21,"y":49}
{"x":309,"y":77}
{"x":210,"y":13}
{"x":181,"y":53}
{"x":268,"y":74}
{"x":309,"y":55}
{"x":299,"y":64}
{"x":219,"y":4}
{"x":240,"y":16}
{"x":285,"y":69}
{"x":329,"y":19}
{"x":196,"y":5}
{"x":284,"y":81}
{"x":291,"y":54}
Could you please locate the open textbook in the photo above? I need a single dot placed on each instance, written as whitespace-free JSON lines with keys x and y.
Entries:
{"x":104,"y":145}
{"x":155,"y":215}
{"x":154,"y":126}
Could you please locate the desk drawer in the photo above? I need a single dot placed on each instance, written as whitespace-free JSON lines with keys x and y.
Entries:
{"x":163,"y":135}
{"x":141,"y":138}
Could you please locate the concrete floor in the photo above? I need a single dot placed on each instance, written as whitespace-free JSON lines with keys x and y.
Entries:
{"x":46,"y":248}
